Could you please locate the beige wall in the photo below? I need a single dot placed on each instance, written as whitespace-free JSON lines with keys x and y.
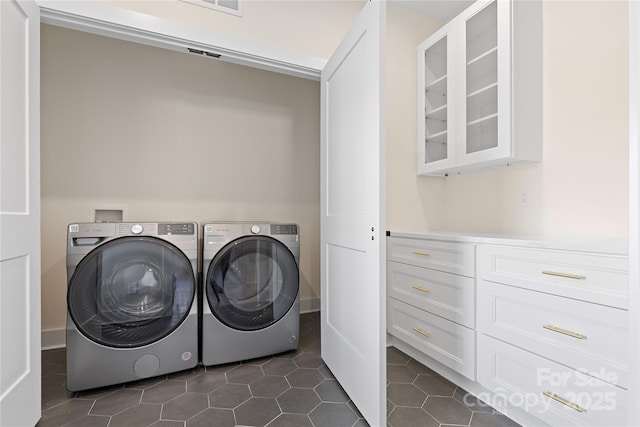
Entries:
{"x":412,"y":203}
{"x":581,"y":186}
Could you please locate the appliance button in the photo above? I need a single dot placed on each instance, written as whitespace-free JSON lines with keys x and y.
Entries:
{"x":255,"y":229}
{"x":137,"y":229}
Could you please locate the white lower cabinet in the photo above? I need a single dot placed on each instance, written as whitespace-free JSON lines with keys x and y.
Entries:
{"x":431,"y":304}
{"x":438,"y":255}
{"x":554,"y":393}
{"x":587,"y":336}
{"x":601,"y":278}
{"x":447,"y":295}
{"x":540,"y":333}
{"x":445,"y":341}
{"x":553,"y":332}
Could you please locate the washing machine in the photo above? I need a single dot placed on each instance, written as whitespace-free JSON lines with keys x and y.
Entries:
{"x":251,"y":306}
{"x":132,"y":307}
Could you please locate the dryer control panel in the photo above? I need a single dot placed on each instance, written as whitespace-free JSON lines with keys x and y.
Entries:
{"x":284,"y":229}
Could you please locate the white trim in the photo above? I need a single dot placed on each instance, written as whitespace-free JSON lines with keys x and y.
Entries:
{"x":53,"y":338}
{"x":111,"y":21}
{"x":634,"y":210}
{"x":309,"y":305}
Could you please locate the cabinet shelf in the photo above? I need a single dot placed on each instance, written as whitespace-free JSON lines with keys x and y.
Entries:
{"x":482,"y":103}
{"x":482,"y":134}
{"x":436,"y":95}
{"x":481,"y":31}
{"x":482,"y":120}
{"x":439,"y":113}
{"x":482,"y":71}
{"x":437,"y":138}
{"x":436,"y":121}
{"x":435,"y":148}
{"x":437,"y":83}
{"x":483,"y":90}
{"x":483,"y":55}
{"x":435,"y":61}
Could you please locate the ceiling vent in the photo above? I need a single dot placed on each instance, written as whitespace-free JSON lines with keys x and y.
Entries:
{"x":234,"y":7}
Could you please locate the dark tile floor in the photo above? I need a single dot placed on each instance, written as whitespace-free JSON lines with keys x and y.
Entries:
{"x":293,"y":389}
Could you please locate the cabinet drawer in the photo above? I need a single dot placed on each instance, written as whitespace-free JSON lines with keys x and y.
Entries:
{"x":585,"y":336}
{"x":445,"y":294}
{"x":526,"y":381}
{"x":599,"y":278}
{"x":445,"y":341}
{"x":449,"y":257}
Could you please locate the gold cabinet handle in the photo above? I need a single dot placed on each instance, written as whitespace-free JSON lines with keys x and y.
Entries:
{"x":420,"y":288}
{"x":567,"y":275}
{"x":421,"y":253}
{"x":564,"y":401}
{"x":421,"y":332}
{"x":565,"y":332}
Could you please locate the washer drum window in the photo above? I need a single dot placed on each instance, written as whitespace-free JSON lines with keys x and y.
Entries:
{"x":252,"y":283}
{"x":131,"y":291}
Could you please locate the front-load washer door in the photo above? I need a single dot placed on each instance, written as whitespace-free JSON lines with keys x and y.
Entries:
{"x":252,"y":282}
{"x":131,"y":291}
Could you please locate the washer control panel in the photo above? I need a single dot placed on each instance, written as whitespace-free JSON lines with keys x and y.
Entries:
{"x":176,"y":228}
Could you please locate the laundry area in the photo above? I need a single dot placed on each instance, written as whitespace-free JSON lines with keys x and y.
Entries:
{"x":185,"y":199}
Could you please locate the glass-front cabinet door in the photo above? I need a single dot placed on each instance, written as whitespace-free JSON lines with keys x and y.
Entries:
{"x":484,"y":113}
{"x":436,"y":135}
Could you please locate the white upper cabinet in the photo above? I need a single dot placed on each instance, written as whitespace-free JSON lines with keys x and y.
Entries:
{"x":436,"y":71}
{"x":480,"y":90}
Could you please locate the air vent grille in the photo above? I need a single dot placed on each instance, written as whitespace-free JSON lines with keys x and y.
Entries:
{"x":233,"y":7}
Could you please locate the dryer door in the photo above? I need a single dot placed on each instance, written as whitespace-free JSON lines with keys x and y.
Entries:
{"x":252,"y":282}
{"x":131,"y":291}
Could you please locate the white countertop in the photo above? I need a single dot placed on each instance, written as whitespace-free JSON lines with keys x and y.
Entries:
{"x":572,"y":243}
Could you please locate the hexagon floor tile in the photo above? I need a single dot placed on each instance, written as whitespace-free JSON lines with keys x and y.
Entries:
{"x":293,"y":389}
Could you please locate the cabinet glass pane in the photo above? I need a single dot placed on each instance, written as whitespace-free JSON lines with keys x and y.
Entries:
{"x":482,"y":134}
{"x":435,"y":60}
{"x":482,"y":79}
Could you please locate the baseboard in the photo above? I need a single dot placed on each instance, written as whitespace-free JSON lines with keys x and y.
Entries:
{"x":53,"y":338}
{"x":309,"y":305}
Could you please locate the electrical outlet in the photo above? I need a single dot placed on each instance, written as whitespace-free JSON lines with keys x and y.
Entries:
{"x":524,"y":197}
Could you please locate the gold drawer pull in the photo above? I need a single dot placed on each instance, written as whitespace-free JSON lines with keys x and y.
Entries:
{"x":564,"y":401}
{"x":567,"y":275}
{"x":422,"y":253}
{"x":564,"y":331}
{"x":421,"y":332}
{"x":420,"y":288}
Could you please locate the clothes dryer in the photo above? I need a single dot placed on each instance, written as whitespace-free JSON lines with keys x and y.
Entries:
{"x":132,"y":307}
{"x":251,"y":306}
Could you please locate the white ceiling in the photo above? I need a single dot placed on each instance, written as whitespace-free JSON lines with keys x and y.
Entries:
{"x":442,"y":10}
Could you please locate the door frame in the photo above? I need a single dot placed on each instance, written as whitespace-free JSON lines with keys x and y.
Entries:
{"x":20,"y":249}
{"x":634,"y":207}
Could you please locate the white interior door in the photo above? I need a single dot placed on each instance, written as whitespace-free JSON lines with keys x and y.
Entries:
{"x":353,"y":309}
{"x":19,"y":213}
